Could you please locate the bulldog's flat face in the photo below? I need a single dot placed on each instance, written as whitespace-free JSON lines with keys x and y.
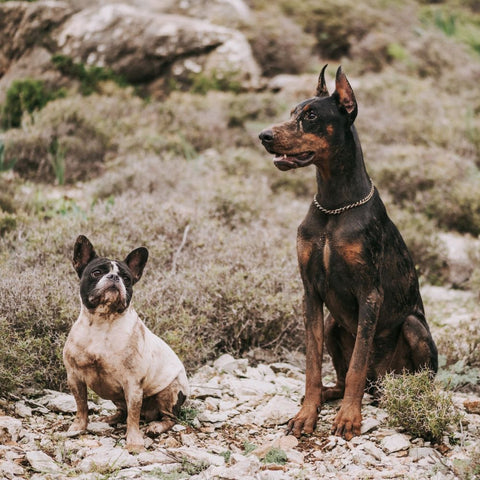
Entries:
{"x":106,"y":283}
{"x":106,"y":286}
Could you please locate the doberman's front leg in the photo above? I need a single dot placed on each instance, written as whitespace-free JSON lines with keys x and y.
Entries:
{"x":348,"y":420}
{"x":306,"y":419}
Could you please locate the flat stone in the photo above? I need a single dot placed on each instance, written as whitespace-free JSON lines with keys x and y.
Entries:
{"x":10,"y":469}
{"x":278,"y":411}
{"x":418,"y":453}
{"x":41,"y":462}
{"x":10,"y":429}
{"x":199,"y":455}
{"x":100,"y":428}
{"x":395,"y":443}
{"x":103,"y":459}
{"x":369,"y":424}
{"x":212,"y":417}
{"x":226,"y":363}
{"x":22,"y":410}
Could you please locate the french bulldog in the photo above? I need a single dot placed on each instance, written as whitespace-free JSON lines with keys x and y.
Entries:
{"x":111,"y":351}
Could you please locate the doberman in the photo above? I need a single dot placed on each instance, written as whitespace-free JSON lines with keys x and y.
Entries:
{"x":352,"y":259}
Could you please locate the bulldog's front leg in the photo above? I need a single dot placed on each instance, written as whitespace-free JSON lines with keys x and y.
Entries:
{"x":134,"y":398}
{"x":79,"y":390}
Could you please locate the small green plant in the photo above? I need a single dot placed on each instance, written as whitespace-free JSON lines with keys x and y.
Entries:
{"x":446,"y":22}
{"x":227,"y":454}
{"x":57,"y":159}
{"x":25,"y":95}
{"x":89,"y":77}
{"x":276,"y":455}
{"x":187,"y":416}
{"x":248,"y":447}
{"x":417,"y":404}
{"x":202,"y":83}
{"x":4,"y":164}
{"x":8,"y":222}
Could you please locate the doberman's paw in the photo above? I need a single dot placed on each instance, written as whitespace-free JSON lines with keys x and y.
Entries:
{"x":304,"y":421}
{"x":347,"y":423}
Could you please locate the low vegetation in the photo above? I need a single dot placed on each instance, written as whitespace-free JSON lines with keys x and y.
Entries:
{"x":415,"y":403}
{"x":185,"y":176}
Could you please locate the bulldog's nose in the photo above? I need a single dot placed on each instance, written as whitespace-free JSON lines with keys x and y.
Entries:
{"x":113,"y":277}
{"x":266,"y":136}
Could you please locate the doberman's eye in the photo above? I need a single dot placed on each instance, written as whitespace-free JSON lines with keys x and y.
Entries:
{"x":311,"y":115}
{"x":96,"y":273}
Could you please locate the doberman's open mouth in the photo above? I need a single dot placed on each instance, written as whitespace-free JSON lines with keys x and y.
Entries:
{"x":297,"y":160}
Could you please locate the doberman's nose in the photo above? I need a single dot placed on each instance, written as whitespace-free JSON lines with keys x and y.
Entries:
{"x":266,"y":136}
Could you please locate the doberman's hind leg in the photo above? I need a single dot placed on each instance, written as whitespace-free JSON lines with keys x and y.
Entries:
{"x":416,"y":349}
{"x":165,"y":406}
{"x":339,"y":345}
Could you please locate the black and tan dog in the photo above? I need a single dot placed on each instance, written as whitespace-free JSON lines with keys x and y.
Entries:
{"x":352,"y":259}
{"x":110,"y":350}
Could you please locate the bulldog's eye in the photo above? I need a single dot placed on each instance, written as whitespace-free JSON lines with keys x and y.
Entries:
{"x":311,"y":115}
{"x":96,"y":273}
{"x":126,"y":280}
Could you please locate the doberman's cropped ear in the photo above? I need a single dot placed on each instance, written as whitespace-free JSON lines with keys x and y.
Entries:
{"x":322,"y":90}
{"x":344,"y":95}
{"x":83,"y":254}
{"x":136,"y":261}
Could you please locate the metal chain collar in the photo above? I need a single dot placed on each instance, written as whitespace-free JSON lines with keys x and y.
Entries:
{"x":346,"y":207}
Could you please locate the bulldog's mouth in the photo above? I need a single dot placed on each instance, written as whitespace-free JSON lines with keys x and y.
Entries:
{"x":295,"y":160}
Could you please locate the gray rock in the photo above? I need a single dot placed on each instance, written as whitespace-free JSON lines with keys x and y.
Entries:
{"x":103,"y":459}
{"x":395,"y":443}
{"x":277,"y":411}
{"x":198,"y":455}
{"x":369,"y":424}
{"x":41,"y":462}
{"x":100,"y":428}
{"x":418,"y":453}
{"x":62,"y":402}
{"x":10,"y":429}
{"x":226,"y":363}
{"x":10,"y":470}
{"x":143,"y":46}
{"x":22,"y":410}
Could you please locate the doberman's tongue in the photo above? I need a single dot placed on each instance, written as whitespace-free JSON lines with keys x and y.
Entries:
{"x":284,"y":162}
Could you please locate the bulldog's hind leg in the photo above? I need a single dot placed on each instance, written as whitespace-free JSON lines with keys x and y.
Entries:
{"x":165,"y":406}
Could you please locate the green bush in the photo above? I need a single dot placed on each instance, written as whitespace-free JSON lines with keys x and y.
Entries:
{"x":418,"y":405}
{"x":89,"y":77}
{"x":25,"y":95}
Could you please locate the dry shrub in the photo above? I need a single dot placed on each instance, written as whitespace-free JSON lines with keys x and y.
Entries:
{"x":466,"y":347}
{"x":62,"y":144}
{"x":417,"y":405}
{"x":233,"y":285}
{"x":335,"y":25}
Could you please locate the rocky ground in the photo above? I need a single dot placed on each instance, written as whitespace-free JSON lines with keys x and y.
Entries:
{"x":233,"y":427}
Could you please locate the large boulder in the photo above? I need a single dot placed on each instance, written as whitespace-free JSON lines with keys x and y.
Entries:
{"x":142,"y":46}
{"x":25,"y":25}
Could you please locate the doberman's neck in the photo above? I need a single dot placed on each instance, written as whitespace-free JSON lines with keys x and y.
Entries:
{"x":344,"y":180}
